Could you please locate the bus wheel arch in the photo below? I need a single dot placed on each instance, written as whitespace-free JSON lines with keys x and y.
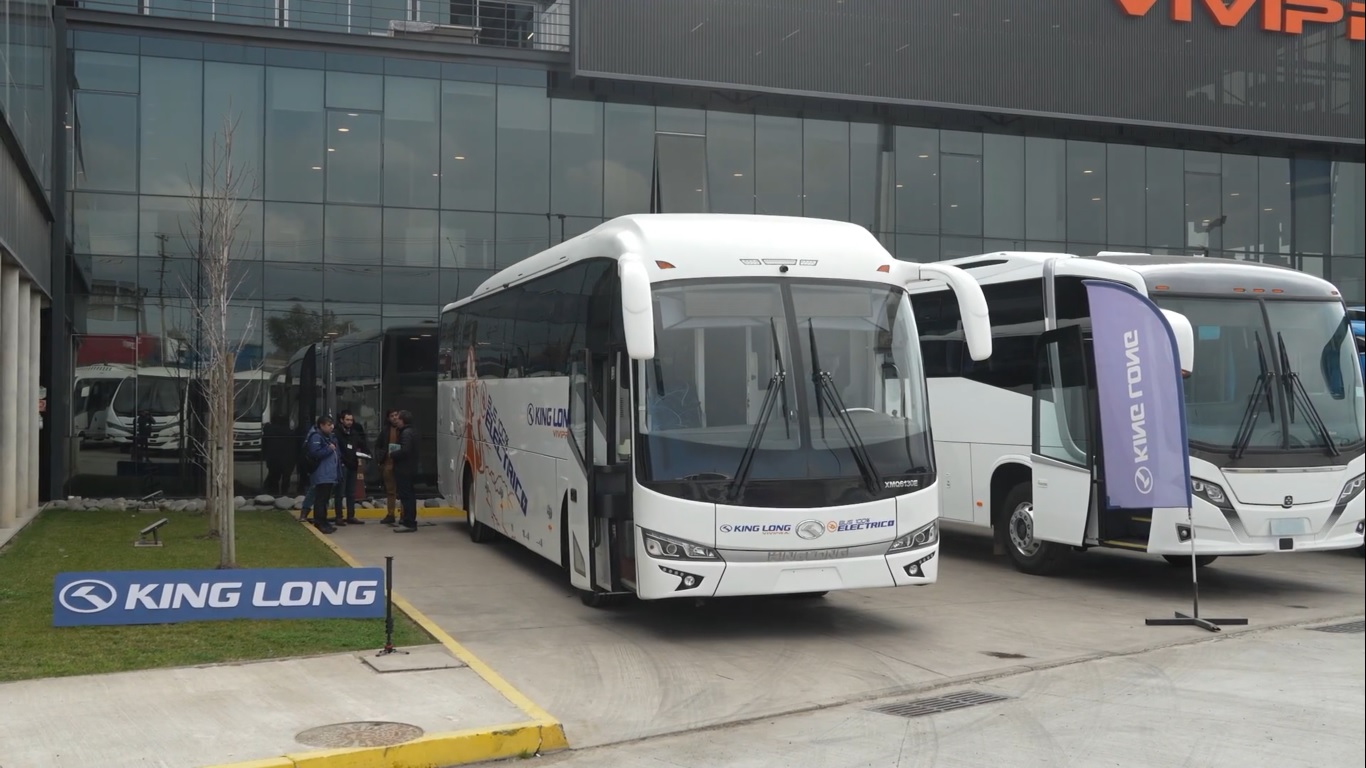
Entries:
{"x":1012,"y":524}
{"x":479,"y":533}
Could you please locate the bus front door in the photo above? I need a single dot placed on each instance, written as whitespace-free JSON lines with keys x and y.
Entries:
{"x":601,"y":534}
{"x":1063,"y":458}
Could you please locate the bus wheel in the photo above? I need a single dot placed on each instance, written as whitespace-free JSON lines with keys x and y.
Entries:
{"x":479,"y":533}
{"x":1015,"y":528}
{"x":808,"y":595}
{"x":1184,"y":561}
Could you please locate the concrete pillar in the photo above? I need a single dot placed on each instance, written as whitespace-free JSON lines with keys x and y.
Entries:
{"x":9,"y":394}
{"x":35,"y":342}
{"x":24,"y":417}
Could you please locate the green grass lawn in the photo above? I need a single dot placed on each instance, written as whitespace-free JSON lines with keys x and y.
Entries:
{"x":62,"y":540}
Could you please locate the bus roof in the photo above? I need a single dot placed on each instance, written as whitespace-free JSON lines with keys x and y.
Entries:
{"x":1180,"y":274}
{"x":710,"y":245}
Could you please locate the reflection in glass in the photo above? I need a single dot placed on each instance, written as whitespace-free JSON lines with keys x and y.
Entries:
{"x":777,"y":177}
{"x":296,"y":129}
{"x":1003,"y":186}
{"x":680,"y":175}
{"x":467,"y":240}
{"x":865,"y":183}
{"x":410,"y":237}
{"x":1204,"y":209}
{"x":1045,"y":189}
{"x":105,"y":224}
{"x":352,"y":235}
{"x":628,"y":158}
{"x":1312,"y":208}
{"x":167,"y":227}
{"x":520,"y":236}
{"x":355,"y":91}
{"x":730,"y":162}
{"x":294,"y":232}
{"x":523,"y":149}
{"x":1273,"y":202}
{"x":576,"y":157}
{"x":917,"y":180}
{"x":171,"y":126}
{"x":352,"y":282}
{"x":960,"y":194}
{"x":468,"y":130}
{"x":115,"y":303}
{"x":412,"y":168}
{"x":292,"y":282}
{"x":106,"y":142}
{"x":99,"y":71}
{"x":353,"y":157}
{"x":1166,"y":199}
{"x":1240,"y":204}
{"x":1126,"y":202}
{"x":405,"y":285}
{"x":1086,"y":191}
{"x":236,"y":93}
{"x":1349,"y":201}
{"x":825,"y":176}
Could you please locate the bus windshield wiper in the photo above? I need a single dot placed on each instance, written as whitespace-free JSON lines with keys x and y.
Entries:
{"x":1261,"y":388}
{"x":827,"y":391}
{"x":776,"y":383}
{"x":1294,"y":390}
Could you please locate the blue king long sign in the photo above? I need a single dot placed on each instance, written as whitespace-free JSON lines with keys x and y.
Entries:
{"x":170,"y":597}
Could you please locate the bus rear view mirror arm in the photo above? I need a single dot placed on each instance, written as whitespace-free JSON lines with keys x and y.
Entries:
{"x":637,"y":307}
{"x":972,"y":304}
{"x":1185,"y":340}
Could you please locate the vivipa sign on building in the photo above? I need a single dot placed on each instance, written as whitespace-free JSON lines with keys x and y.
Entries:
{"x":1292,"y":17}
{"x":171,"y":597}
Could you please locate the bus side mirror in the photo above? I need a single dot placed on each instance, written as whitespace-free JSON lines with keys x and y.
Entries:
{"x":972,"y":306}
{"x":1185,"y":340}
{"x":637,"y":307}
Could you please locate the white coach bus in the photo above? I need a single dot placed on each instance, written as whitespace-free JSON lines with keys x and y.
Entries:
{"x":700,"y":406}
{"x":1274,"y":409}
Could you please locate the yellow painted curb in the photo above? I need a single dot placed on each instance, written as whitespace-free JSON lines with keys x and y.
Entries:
{"x":422,"y":512}
{"x":442,"y":749}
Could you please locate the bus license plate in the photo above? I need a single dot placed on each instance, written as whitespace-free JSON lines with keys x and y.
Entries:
{"x":1289,"y":526}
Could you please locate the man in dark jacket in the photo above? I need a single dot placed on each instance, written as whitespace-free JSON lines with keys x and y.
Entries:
{"x":320,"y":448}
{"x":404,"y":455}
{"x":350,"y":441}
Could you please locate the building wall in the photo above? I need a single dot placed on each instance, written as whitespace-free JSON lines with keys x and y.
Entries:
{"x":388,"y":185}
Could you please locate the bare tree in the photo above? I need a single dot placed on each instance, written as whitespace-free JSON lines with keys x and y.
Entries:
{"x":217,"y":215}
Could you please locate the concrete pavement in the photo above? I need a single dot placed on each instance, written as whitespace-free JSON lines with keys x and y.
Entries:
{"x":1283,"y":698}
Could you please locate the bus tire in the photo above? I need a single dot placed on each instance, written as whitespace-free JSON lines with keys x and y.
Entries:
{"x":479,"y":533}
{"x":565,"y":560}
{"x":1184,"y":561}
{"x":1015,"y":532}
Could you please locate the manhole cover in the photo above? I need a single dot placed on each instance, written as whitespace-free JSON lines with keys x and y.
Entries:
{"x":362,"y":734}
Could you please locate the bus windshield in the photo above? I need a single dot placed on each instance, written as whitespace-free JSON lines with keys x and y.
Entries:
{"x":249,"y":401}
{"x":783,"y":393}
{"x":1248,"y":364}
{"x":158,"y":395}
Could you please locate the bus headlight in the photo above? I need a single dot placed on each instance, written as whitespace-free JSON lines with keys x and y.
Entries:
{"x":670,"y":548}
{"x":1351,"y":490}
{"x":1210,"y":492}
{"x":923,"y":536}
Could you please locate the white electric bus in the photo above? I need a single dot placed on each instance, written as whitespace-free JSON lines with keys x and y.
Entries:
{"x":1274,"y":409}
{"x":693,"y":406}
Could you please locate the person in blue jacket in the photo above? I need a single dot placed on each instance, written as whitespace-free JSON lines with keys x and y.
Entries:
{"x":320,"y":450}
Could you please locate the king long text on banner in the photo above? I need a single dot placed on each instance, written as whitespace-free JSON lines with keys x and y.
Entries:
{"x":1141,"y":401}
{"x":170,"y":597}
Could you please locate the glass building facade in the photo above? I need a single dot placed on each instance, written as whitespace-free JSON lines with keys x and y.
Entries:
{"x":386,"y":184}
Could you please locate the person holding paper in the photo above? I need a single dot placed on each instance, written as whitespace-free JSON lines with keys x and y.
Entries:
{"x":352,"y":443}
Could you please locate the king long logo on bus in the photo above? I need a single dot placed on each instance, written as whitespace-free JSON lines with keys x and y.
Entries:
{"x":547,"y":417}
{"x":497,"y":436}
{"x":1138,"y":430}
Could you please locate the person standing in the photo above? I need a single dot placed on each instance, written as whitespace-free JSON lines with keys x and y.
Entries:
{"x":350,"y":441}
{"x":404,"y":454}
{"x":322,"y":454}
{"x":387,"y":436}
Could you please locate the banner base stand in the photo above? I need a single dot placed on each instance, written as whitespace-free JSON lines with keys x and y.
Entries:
{"x":1210,"y":625}
{"x":389,"y":609}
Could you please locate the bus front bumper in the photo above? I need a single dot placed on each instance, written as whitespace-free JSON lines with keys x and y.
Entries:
{"x":662,"y":579}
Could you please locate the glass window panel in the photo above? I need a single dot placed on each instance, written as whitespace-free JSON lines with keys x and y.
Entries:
{"x":1086,"y":191}
{"x":106,"y":142}
{"x":290,"y":326}
{"x":992,"y":246}
{"x":169,"y":278}
{"x":467,"y":240}
{"x":292,"y":282}
{"x":246,"y":281}
{"x":573,"y":226}
{"x":115,"y":300}
{"x":410,"y":237}
{"x":352,"y":62}
{"x":917,"y":181}
{"x":352,"y":234}
{"x":412,"y":142}
{"x":865,"y":153}
{"x":954,"y":247}
{"x":171,"y":126}
{"x":1240,"y":204}
{"x":96,"y":71}
{"x":1166,"y":199}
{"x":917,"y":247}
{"x":352,"y":282}
{"x":960,"y":143}
{"x":520,"y":236}
{"x":236,"y":93}
{"x":294,"y":232}
{"x":449,"y":281}
{"x":1125,"y":199}
{"x":249,"y":231}
{"x":523,"y":149}
{"x":407,"y":285}
{"x":1311,"y":200}
{"x":961,"y":194}
{"x":167,"y":227}
{"x":825,"y":172}
{"x":1273,"y":202}
{"x":105,"y":224}
{"x":296,"y":132}
{"x":1349,"y":203}
{"x":1045,"y":189}
{"x":777,"y":177}
{"x":680,"y":120}
{"x":353,"y":157}
{"x":730,"y":162}
{"x":576,"y":157}
{"x":468,"y":141}
{"x":680,"y":183}
{"x":329,"y":15}
{"x":628,"y":158}
{"x":1003,"y":186}
{"x":1204,"y":209}
{"x":350,"y":90}
{"x":179,"y":9}
{"x":1348,"y":273}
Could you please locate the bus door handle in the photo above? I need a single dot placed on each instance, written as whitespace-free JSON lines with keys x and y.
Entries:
{"x":574,"y":495}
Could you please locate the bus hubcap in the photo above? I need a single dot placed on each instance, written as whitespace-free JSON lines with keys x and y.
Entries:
{"x":1022,"y":529}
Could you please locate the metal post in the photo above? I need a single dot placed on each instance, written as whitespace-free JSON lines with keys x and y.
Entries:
{"x":389,"y":608}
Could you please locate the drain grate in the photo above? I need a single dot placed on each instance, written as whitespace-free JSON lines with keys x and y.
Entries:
{"x":937,"y":704}
{"x":1350,"y":628}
